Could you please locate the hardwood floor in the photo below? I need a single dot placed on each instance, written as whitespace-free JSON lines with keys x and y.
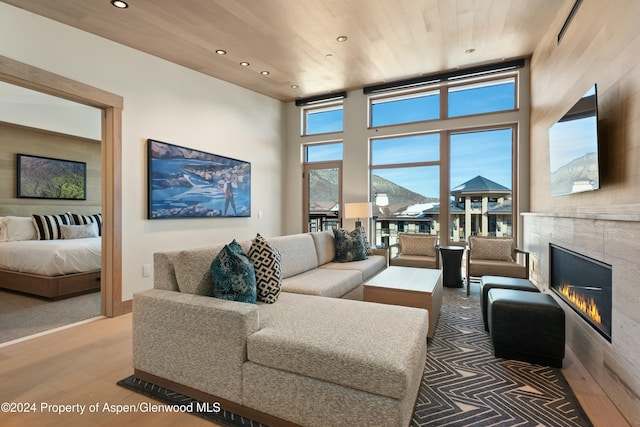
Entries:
{"x":81,"y":365}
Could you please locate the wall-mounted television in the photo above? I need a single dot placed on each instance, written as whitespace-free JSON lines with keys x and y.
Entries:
{"x":573,"y":148}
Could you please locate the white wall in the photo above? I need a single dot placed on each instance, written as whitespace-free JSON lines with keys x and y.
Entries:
{"x":169,"y":103}
{"x":38,"y":110}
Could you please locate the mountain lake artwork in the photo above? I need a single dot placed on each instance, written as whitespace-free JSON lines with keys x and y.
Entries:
{"x":187,"y":183}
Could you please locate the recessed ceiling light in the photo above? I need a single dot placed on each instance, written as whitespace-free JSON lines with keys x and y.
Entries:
{"x":342,"y":39}
{"x":265,"y":73}
{"x":119,"y":4}
{"x":470,"y":50}
{"x":294,"y":86}
{"x":245,"y":64}
{"x":221,"y":51}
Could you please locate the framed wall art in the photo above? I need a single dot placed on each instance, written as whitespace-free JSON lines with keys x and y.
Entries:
{"x":47,"y":178}
{"x":188,"y":183}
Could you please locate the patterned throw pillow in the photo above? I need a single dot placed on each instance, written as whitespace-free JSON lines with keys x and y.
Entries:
{"x":367,"y":247}
{"x":77,"y":219}
{"x":349,"y":245}
{"x":48,"y":226}
{"x":79,"y":231}
{"x":233,"y":275}
{"x":418,"y":244}
{"x":267,"y":262}
{"x":493,"y":249}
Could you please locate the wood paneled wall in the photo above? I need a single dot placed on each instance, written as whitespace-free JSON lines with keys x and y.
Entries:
{"x":19,"y":139}
{"x":600,"y":46}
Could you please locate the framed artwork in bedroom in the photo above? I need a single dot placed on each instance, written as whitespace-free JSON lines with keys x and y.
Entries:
{"x":48,"y":178}
{"x":188,"y":183}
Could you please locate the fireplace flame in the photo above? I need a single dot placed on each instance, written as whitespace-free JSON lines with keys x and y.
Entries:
{"x":587,"y":307}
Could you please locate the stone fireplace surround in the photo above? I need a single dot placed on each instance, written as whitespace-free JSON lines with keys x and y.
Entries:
{"x":615,"y":240}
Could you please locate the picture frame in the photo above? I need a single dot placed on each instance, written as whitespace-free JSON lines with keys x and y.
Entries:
{"x":49,"y":178}
{"x":188,"y":183}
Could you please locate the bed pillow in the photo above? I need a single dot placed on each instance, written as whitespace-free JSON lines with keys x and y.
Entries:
{"x":79,"y":231}
{"x":77,"y":219}
{"x":48,"y":226}
{"x":19,"y":228}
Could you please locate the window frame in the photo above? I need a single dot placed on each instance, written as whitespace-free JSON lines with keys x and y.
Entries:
{"x":319,"y":108}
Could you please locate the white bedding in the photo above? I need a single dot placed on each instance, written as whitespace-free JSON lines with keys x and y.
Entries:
{"x":52,"y":257}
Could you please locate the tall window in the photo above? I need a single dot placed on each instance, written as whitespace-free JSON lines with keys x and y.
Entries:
{"x":405,"y":185}
{"x":324,"y":119}
{"x":322,"y":186}
{"x":481,"y":179}
{"x":477,"y":162}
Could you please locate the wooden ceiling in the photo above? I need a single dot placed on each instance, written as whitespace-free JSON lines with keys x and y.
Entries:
{"x":295,"y":40}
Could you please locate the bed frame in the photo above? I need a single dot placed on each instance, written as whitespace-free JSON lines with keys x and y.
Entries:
{"x":52,"y":287}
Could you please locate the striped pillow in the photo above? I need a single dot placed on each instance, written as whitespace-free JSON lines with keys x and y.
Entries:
{"x":48,"y":226}
{"x":77,"y":219}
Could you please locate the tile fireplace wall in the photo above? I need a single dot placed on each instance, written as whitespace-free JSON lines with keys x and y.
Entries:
{"x":615,"y":240}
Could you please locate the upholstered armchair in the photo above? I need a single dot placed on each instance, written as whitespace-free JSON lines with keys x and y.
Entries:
{"x":416,"y":250}
{"x":496,"y":256}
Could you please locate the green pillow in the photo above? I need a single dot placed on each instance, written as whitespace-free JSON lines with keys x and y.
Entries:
{"x":233,"y":275}
{"x":349,"y":245}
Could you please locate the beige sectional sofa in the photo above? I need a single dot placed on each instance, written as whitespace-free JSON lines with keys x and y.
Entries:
{"x":316,"y":357}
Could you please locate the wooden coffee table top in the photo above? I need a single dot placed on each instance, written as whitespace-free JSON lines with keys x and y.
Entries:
{"x":407,"y":278}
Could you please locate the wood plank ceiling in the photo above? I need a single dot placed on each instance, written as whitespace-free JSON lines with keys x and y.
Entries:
{"x":296,"y":40}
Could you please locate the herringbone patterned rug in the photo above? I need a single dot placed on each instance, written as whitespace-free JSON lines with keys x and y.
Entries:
{"x":463,"y":383}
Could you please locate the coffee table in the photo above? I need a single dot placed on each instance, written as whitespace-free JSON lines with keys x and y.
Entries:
{"x":410,"y":287}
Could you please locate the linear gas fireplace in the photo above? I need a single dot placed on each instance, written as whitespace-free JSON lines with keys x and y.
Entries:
{"x":584,"y":284}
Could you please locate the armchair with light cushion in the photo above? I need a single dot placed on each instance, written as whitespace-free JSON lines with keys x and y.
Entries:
{"x":496,"y":256}
{"x":416,"y":250}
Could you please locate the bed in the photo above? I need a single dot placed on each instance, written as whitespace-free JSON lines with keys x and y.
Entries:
{"x":56,"y":268}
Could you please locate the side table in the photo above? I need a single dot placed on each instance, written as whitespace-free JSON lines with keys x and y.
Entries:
{"x":452,"y":266}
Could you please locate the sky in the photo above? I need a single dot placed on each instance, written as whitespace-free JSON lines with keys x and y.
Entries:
{"x":571,"y":139}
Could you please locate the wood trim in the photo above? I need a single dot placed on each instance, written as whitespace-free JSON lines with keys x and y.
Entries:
{"x":25,"y":75}
{"x":227,"y":405}
{"x":18,"y":73}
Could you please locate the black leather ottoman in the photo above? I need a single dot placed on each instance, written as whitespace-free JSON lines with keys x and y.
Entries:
{"x":490,"y":282}
{"x":526,"y":326}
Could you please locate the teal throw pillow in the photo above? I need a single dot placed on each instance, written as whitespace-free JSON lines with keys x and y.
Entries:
{"x":349,"y":245}
{"x":233,"y":275}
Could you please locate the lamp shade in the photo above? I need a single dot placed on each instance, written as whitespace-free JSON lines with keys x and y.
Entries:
{"x":357,"y":210}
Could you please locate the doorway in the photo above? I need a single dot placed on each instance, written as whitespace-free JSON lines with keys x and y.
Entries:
{"x":30,"y":77}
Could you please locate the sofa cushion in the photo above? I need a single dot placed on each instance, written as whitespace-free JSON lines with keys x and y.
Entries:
{"x":233,"y":275}
{"x":298,"y":253}
{"x":323,"y":282}
{"x":368,"y":267}
{"x":365,"y":346}
{"x":349,"y":245}
{"x":493,"y":249}
{"x":418,"y":244}
{"x":267,"y":263}
{"x":325,"y":246}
